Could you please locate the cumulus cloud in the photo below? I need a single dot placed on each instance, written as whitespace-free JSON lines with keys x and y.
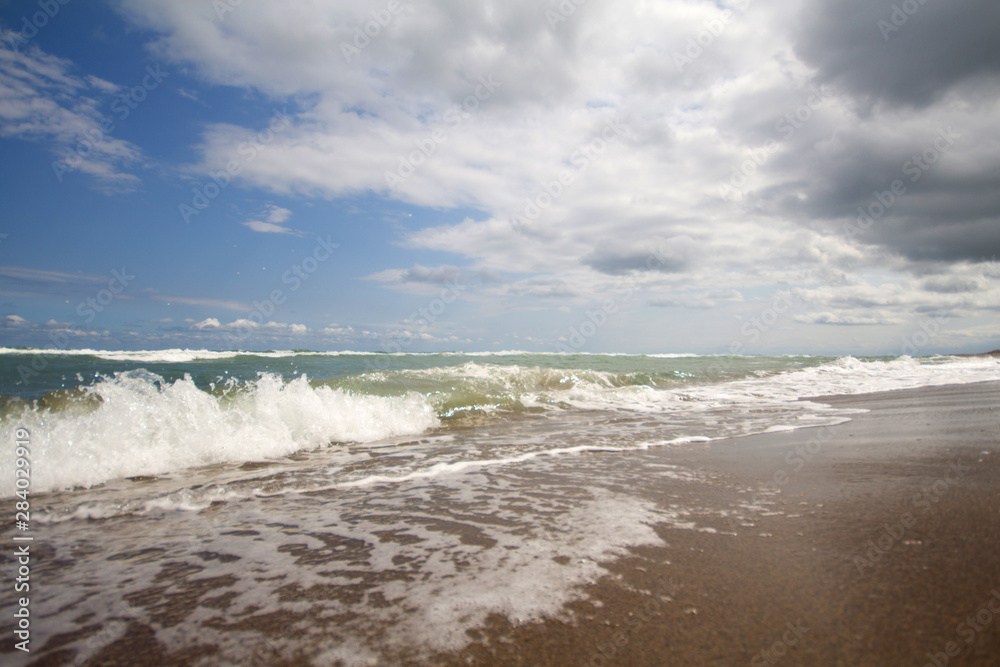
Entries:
{"x":13,"y":321}
{"x":799,"y":143}
{"x":438,"y":275}
{"x":336,"y":331}
{"x":244,"y":324}
{"x":272,"y":222}
{"x":208,"y":323}
{"x":846,"y":319}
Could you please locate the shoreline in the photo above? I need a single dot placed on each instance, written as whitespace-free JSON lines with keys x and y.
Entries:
{"x":880,"y":546}
{"x":867,"y":542}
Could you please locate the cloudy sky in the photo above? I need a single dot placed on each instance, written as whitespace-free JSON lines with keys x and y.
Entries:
{"x":671,"y":176}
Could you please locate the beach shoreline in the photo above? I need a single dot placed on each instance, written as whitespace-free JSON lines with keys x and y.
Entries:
{"x":868,"y":542}
{"x":879,"y":548}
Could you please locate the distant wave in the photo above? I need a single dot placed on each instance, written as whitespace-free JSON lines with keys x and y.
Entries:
{"x":180,"y":355}
{"x":138,"y":423}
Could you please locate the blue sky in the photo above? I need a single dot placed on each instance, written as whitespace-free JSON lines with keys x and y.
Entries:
{"x":675,"y":177}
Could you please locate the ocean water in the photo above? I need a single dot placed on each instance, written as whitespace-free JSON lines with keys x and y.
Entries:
{"x":98,"y":416}
{"x":352,"y":508}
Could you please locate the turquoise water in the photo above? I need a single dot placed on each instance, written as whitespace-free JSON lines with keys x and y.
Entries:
{"x":31,"y":374}
{"x":400,"y":499}
{"x":98,"y":416}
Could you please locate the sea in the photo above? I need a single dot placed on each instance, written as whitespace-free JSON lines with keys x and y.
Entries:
{"x":348,"y":507}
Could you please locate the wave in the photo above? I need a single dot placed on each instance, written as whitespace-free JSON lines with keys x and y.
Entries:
{"x":476,"y":388}
{"x":137,"y":424}
{"x":181,"y":355}
{"x":172,"y":355}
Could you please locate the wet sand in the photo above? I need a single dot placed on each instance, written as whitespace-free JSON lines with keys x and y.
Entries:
{"x":869,"y":543}
{"x":882,"y":547}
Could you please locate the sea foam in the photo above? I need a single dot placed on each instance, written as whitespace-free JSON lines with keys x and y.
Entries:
{"x":144,"y":425}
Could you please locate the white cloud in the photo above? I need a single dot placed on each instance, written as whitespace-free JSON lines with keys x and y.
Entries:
{"x":592,"y":148}
{"x":42,"y":100}
{"x":16,"y":321}
{"x":244,"y":324}
{"x":437,"y":275}
{"x":267,"y":227}
{"x":204,"y":301}
{"x":336,"y":331}
{"x":277,"y":214}
{"x":208,"y":323}
{"x":101,"y":85}
{"x":272,"y":222}
{"x":859,"y":319}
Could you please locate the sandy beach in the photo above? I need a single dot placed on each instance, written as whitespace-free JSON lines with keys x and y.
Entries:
{"x":881,"y":548}
{"x":390,"y":333}
{"x":867,"y":543}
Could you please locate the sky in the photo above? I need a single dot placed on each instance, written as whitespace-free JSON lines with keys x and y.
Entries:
{"x":680,"y":176}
